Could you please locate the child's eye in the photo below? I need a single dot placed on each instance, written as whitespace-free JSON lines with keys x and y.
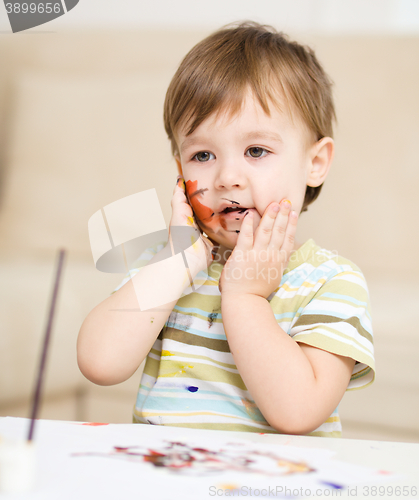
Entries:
{"x":203,"y":156}
{"x":257,"y":152}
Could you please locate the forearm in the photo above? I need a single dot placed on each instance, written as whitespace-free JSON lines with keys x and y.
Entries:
{"x":117,"y":335}
{"x":274,"y":368}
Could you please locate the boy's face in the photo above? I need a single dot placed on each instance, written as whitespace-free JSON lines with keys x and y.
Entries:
{"x":248,"y":162}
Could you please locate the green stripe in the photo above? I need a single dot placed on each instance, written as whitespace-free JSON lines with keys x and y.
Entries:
{"x":200,"y":371}
{"x":201,"y":358}
{"x":196,"y":340}
{"x":312,"y":319}
{"x":340,"y":334}
{"x":335,"y":347}
{"x":332,"y":434}
{"x":151,"y":367}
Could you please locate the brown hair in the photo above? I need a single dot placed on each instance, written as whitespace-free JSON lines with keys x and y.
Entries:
{"x":218,"y":71}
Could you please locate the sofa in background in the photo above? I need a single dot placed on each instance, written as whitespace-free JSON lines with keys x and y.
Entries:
{"x":81,"y":126}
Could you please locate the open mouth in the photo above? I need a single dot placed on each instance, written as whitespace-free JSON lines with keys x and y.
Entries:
{"x":239,"y":210}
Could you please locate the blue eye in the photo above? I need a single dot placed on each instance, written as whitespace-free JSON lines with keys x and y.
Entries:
{"x":203,"y":156}
{"x":256,"y":152}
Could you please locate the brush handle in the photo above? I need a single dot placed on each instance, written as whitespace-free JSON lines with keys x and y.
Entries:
{"x":37,"y":395}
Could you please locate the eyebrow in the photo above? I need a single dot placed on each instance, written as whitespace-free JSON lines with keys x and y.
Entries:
{"x":190,"y":141}
{"x":262,"y":134}
{"x":256,"y":135}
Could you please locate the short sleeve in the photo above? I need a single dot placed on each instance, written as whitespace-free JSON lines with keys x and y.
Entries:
{"x":142,"y":261}
{"x":338,"y":319}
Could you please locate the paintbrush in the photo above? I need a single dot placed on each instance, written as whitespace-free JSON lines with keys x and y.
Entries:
{"x":17,"y":458}
{"x":41,"y":370}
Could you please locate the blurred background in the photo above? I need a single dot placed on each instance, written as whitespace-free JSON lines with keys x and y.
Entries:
{"x":81,"y":126}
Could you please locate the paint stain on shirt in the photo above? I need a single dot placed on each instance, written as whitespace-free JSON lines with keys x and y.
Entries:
{"x":250,"y":407}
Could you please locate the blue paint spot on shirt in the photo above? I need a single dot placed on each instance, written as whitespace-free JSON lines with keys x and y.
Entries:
{"x":192,"y":388}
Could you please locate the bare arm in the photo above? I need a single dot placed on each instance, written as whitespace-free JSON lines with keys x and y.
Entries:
{"x":116,"y":336}
{"x":295,"y":386}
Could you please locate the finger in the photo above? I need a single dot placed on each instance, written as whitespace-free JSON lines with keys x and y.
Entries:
{"x":289,"y":239}
{"x":280,"y":226}
{"x":245,"y":239}
{"x":179,"y":195}
{"x":180,"y":184}
{"x":263,"y":233}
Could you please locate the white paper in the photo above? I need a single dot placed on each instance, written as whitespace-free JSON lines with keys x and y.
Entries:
{"x":77,"y":461}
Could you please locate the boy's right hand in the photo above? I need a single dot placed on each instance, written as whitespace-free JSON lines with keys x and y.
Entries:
{"x":200,"y":254}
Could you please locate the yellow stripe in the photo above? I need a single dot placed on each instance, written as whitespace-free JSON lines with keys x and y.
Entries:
{"x":332,"y":419}
{"x":189,"y":356}
{"x":195,"y":413}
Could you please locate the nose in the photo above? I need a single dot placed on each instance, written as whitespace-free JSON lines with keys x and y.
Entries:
{"x":231,"y":173}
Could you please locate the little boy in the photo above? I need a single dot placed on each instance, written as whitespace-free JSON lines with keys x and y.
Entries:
{"x":279,"y":330}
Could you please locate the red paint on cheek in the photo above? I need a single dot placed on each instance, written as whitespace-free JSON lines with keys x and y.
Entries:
{"x":202,"y":211}
{"x":222,"y":222}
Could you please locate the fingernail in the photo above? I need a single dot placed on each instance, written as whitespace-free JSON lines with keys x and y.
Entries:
{"x":276,"y":208}
{"x":286,"y":201}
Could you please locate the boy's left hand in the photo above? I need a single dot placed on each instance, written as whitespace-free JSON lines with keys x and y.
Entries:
{"x":258,"y":260}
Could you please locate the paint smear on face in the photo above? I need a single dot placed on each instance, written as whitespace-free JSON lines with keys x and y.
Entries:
{"x":205,"y":214}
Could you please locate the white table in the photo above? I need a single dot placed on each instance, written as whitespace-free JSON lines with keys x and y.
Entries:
{"x":61,"y":476}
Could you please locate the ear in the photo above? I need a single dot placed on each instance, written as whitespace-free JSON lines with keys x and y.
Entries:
{"x":179,"y":165}
{"x":321,"y":155}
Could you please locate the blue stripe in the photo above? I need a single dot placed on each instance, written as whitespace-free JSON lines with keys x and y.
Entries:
{"x":193,"y":404}
{"x":344,"y":297}
{"x":284,"y":315}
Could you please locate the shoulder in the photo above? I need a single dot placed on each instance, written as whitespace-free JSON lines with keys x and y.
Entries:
{"x":334,"y":310}
{"x":320,"y":266}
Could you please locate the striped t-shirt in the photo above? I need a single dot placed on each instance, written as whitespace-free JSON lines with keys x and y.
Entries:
{"x":190,"y":378}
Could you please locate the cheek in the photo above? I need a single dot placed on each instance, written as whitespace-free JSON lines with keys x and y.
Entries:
{"x":194,"y":193}
{"x":277,"y":190}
